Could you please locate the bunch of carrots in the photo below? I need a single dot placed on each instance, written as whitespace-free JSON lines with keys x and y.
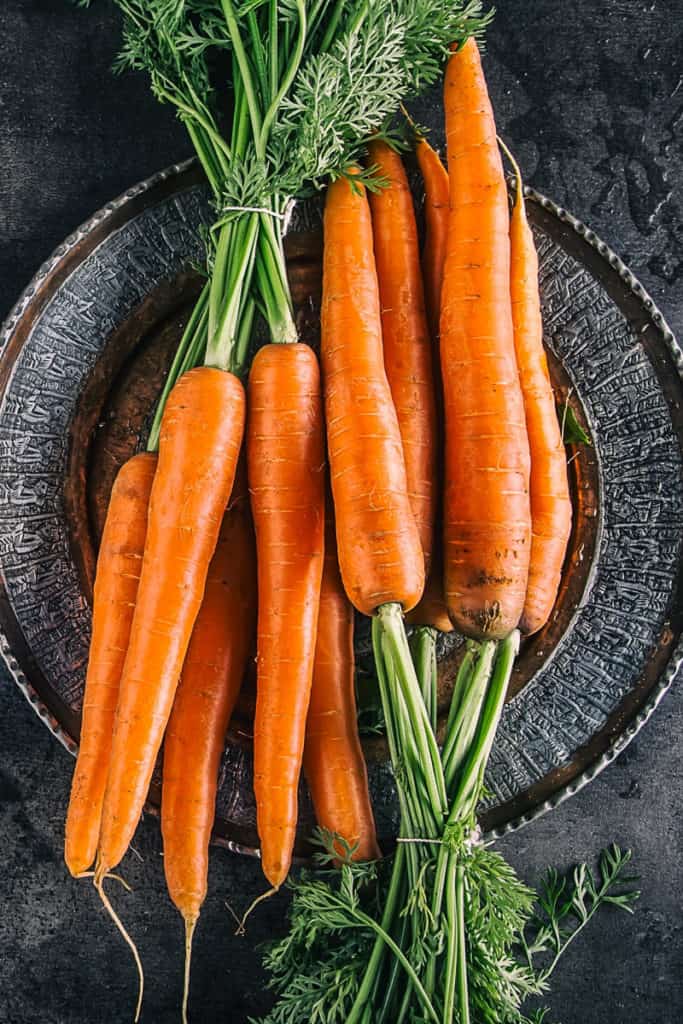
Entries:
{"x":416,"y":470}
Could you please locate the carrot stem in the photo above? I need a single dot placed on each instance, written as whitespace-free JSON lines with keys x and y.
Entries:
{"x":458,"y":913}
{"x":452,"y":943}
{"x":465,"y":720}
{"x":423,"y":649}
{"x":187,"y":355}
{"x":394,"y":639}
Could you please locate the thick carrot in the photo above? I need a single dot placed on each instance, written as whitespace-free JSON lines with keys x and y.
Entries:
{"x":286,"y":461}
{"x":435,"y":178}
{"x":551,"y":507}
{"x":216,"y":658}
{"x":405,"y":335}
{"x":432,"y":610}
{"x":380,"y":555}
{"x":201,"y":434}
{"x":334,"y":764}
{"x":119,"y":562}
{"x":487,"y":522}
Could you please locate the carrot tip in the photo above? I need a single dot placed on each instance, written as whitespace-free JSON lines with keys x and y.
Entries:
{"x":99,"y":885}
{"x":190,"y":925}
{"x":241,"y":928}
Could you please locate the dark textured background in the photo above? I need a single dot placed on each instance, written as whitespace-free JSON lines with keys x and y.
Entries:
{"x":590,"y":95}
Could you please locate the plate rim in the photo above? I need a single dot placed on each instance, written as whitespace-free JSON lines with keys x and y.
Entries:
{"x":659,"y":322}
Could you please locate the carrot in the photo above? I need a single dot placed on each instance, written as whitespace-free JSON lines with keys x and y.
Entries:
{"x":432,"y":610}
{"x":405,"y":334}
{"x":435,"y":178}
{"x":333,"y":757}
{"x":551,"y":508}
{"x":380,"y":555}
{"x":487,"y":525}
{"x":201,"y":433}
{"x":116,"y":584}
{"x":209,"y":685}
{"x":285,"y":453}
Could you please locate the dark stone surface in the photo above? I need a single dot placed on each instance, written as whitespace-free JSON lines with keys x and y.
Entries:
{"x":590,"y":95}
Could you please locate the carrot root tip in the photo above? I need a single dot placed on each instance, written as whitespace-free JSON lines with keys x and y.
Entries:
{"x":241,"y":928}
{"x":190,"y":925}
{"x":99,"y":886}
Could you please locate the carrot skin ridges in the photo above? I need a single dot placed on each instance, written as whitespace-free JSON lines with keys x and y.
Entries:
{"x":406,"y":339}
{"x":201,"y":435}
{"x":435,"y":178}
{"x":119,"y":564}
{"x":551,"y":508}
{"x":212,"y":675}
{"x":334,"y":764}
{"x":286,"y":462}
{"x":487,"y":527}
{"x":432,"y":610}
{"x":380,"y":555}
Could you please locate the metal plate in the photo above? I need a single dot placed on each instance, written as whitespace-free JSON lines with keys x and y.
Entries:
{"x":82,"y":357}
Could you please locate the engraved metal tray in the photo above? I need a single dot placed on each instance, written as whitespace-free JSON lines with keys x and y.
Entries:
{"x":82,"y":358}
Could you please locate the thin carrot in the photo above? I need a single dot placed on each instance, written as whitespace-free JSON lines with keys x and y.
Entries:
{"x":435,"y":178}
{"x":432,"y":610}
{"x":551,"y":507}
{"x":285,"y":452}
{"x":119,"y":563}
{"x":380,"y":555}
{"x":216,"y":658}
{"x":405,"y":335}
{"x":201,"y":434}
{"x":487,"y":523}
{"x":334,"y":764}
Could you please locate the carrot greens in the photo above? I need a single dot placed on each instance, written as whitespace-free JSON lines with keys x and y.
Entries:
{"x":310,"y":80}
{"x":480,"y":941}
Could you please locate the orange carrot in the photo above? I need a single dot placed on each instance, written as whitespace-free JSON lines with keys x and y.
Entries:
{"x":333,"y":757}
{"x":116,"y":584}
{"x":380,"y":555}
{"x":285,"y":452}
{"x":432,"y":610}
{"x":209,"y":685}
{"x":551,"y":508}
{"x":405,"y":334}
{"x":201,"y":434}
{"x":487,"y":524}
{"x":435,"y":178}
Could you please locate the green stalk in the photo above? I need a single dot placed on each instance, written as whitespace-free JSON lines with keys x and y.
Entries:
{"x":220,"y":350}
{"x":459,"y":918}
{"x":379,"y":948}
{"x":287,"y":80}
{"x":391,"y":620}
{"x":186,"y":356}
{"x":332,"y":25}
{"x":368,"y":922}
{"x":273,"y":41}
{"x":466,"y":718}
{"x":461,"y":682}
{"x":240,"y":116}
{"x":244,"y":67}
{"x":206,"y":156}
{"x":220,"y":269}
{"x":244,"y":334}
{"x":452,"y":941}
{"x":488,"y":723}
{"x":423,"y":649}
{"x":262,"y":73}
{"x":386,"y":1013}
